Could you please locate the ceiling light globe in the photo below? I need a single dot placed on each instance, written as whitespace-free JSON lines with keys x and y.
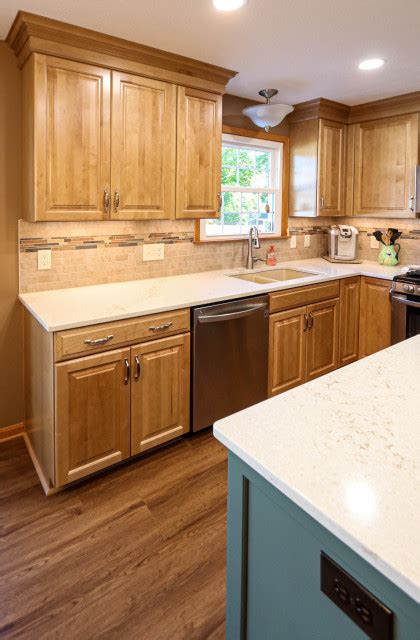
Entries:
{"x":229,"y":5}
{"x":372,"y":63}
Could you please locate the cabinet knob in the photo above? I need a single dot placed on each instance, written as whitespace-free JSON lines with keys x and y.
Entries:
{"x":127,"y":371}
{"x":411,"y":203}
{"x":138,"y":370}
{"x":106,"y":201}
{"x":220,"y":199}
{"x":98,"y":341}
{"x":116,"y":200}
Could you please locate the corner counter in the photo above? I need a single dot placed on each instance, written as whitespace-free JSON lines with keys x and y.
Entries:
{"x":331,"y":466}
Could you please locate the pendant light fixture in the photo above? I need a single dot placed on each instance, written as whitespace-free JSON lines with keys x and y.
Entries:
{"x":267,"y":115}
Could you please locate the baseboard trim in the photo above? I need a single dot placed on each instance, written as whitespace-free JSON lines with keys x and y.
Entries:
{"x":14,"y":431}
{"x":48,"y":490}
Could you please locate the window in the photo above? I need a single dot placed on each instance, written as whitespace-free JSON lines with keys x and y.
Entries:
{"x":251,"y":189}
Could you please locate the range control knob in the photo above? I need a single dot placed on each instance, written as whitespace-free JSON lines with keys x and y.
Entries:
{"x":409,"y":288}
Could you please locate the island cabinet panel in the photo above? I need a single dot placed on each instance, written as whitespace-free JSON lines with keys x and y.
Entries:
{"x":322,"y":338}
{"x":331,"y":168}
{"x":143,"y":148}
{"x":274,"y":572}
{"x":160,"y":392}
{"x":67,"y":138}
{"x":199,"y":141}
{"x":349,"y":320}
{"x":385,"y":157}
{"x":92,"y":414}
{"x":375,"y":316}
{"x":287,"y":350}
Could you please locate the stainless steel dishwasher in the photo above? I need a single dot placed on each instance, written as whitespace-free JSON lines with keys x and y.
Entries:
{"x":230,"y":358}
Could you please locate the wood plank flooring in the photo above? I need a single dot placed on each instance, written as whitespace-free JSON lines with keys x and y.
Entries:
{"x":138,"y":552}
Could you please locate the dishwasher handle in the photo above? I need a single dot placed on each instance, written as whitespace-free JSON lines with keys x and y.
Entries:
{"x":221,"y":317}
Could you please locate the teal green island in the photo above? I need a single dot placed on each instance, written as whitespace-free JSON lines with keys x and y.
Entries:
{"x":323,"y":506}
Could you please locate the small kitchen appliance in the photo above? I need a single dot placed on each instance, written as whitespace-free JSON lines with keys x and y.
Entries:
{"x":342,"y":242}
{"x":405,"y":305}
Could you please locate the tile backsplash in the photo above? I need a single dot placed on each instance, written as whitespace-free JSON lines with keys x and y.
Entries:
{"x":85,"y":253}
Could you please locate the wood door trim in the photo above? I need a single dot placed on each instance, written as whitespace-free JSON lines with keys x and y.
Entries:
{"x":12,"y":431}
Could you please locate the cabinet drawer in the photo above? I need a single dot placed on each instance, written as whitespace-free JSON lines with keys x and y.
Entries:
{"x":107,"y":336}
{"x":303,"y":295}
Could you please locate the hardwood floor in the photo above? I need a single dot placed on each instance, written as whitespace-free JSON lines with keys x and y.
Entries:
{"x":138,"y":552}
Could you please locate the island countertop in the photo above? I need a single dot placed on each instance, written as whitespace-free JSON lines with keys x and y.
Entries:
{"x":61,"y":309}
{"x":346,"y":449}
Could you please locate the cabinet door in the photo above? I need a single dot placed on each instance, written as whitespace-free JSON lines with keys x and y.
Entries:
{"x":71,"y":140}
{"x":143,"y":148}
{"x":385,"y":156}
{"x":199,"y":148}
{"x":92,"y":414}
{"x":349,"y":320}
{"x":331,"y":168}
{"x":375,"y":316}
{"x":160,"y":391}
{"x":287,"y":350}
{"x":322,"y":338}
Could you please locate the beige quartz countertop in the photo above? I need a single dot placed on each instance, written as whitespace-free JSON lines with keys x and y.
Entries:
{"x":82,"y":306}
{"x":346,"y":449}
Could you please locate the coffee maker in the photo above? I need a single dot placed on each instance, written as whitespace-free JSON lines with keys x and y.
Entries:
{"x":342,"y":242}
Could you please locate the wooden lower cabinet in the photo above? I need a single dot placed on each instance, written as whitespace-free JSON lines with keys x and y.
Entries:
{"x":375,"y":316}
{"x":287,"y":350}
{"x":159,"y":391}
{"x":349,"y":320}
{"x":303,"y":344}
{"x":322,"y":338}
{"x":92,"y":414}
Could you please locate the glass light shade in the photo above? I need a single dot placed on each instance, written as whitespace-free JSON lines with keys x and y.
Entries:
{"x":372,"y":63}
{"x":229,"y":5}
{"x":267,"y":115}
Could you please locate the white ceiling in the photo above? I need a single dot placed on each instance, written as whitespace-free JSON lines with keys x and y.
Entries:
{"x":306,"y":49}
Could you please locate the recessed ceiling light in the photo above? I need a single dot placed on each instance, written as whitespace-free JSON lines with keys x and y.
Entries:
{"x":229,"y":5}
{"x":372,"y":63}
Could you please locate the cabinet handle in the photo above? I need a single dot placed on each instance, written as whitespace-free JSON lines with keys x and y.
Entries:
{"x":104,"y":340}
{"x":127,"y":371}
{"x":305,"y":324}
{"x":411,"y":203}
{"x":106,"y":200}
{"x":137,"y":374}
{"x":116,"y":200}
{"x":161,"y":327}
{"x":220,"y":199}
{"x":322,"y":202}
{"x":311,"y":321}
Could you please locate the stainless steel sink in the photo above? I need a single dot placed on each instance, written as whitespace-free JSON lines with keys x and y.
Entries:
{"x":273,"y":275}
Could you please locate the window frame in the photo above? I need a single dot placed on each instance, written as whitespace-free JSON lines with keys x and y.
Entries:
{"x":281,"y":227}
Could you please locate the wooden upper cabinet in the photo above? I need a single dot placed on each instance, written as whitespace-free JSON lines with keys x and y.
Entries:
{"x":92,"y":414}
{"x":143,"y":148}
{"x":67,"y":139}
{"x":160,"y":391}
{"x":375,"y":316}
{"x":331,"y":168}
{"x":317,"y":168}
{"x":199,"y":143}
{"x":385,"y":157}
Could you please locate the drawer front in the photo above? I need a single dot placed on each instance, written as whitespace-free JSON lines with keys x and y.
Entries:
{"x":103,"y":337}
{"x":303,"y":295}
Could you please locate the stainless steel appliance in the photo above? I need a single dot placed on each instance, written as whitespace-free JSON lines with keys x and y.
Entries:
{"x":405,"y":305}
{"x":342,"y":242}
{"x":230,"y":358}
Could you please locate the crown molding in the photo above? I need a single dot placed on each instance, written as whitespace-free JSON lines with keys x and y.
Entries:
{"x":319,"y":108}
{"x":386,"y":108}
{"x":31,"y":33}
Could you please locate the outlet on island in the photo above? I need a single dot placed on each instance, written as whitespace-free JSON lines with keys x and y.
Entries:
{"x":153,"y":251}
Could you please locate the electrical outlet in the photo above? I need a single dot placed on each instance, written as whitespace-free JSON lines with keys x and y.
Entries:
{"x":44,"y":259}
{"x":153,"y":251}
{"x":374,"y":244}
{"x":293,"y":242}
{"x":307,"y":240}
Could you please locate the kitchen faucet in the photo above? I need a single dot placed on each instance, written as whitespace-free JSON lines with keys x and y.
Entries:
{"x":253,"y":243}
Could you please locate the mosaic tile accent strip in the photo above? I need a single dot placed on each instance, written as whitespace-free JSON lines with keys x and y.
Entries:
{"x":66,"y":243}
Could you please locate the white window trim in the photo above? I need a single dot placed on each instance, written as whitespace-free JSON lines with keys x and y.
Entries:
{"x":277,"y":160}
